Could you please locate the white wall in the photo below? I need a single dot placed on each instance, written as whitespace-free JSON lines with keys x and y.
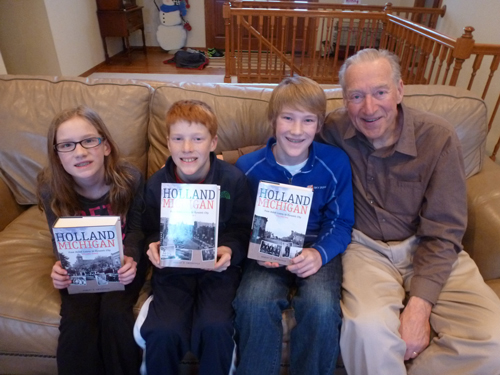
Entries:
{"x":75,"y":30}
{"x":484,"y":17}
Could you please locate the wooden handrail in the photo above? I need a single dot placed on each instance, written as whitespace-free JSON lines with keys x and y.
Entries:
{"x":266,"y":44}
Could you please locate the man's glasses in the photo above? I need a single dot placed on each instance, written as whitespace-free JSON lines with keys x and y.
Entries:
{"x":85,"y":143}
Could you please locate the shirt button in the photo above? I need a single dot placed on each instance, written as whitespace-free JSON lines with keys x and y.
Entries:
{"x":383,"y":220}
{"x":370,"y":178}
{"x":371,"y":201}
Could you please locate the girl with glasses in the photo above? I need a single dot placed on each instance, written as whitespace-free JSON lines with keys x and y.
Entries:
{"x":86,"y":176}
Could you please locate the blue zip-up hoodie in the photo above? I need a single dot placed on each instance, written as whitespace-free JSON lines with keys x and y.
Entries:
{"x":328,"y":169}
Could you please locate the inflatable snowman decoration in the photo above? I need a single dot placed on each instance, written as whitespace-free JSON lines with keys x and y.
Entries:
{"x":172,"y":30}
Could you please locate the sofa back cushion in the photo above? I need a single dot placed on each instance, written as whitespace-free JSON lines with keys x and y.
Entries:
{"x":28,"y":105}
{"x":241,"y":111}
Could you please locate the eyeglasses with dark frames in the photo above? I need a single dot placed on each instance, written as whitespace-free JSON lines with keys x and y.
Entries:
{"x":85,"y":143}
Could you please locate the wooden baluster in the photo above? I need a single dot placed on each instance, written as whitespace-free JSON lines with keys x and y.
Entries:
{"x":259,"y":52}
{"x":226,"y":14}
{"x":490,"y":124}
{"x":449,"y":62}
{"x":348,"y":40}
{"x":239,"y":42}
{"x":442,"y":58}
{"x":294,"y":35}
{"x":249,"y":48}
{"x":282,"y":48}
{"x":493,"y":68}
{"x":424,"y":60}
{"x":475,"y":67}
{"x":306,"y":41}
{"x":435,"y":53}
{"x":462,"y":52}
{"x":361,"y":32}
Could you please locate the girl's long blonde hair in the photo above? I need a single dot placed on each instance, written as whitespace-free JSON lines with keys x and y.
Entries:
{"x":118,"y":173}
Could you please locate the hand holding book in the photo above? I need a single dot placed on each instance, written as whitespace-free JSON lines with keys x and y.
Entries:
{"x":307,"y":263}
{"x":154,"y":254}
{"x":60,"y":278}
{"x":223,"y":258}
{"x":126,"y":274}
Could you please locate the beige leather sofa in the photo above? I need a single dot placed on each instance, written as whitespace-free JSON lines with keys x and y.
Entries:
{"x":134,"y":112}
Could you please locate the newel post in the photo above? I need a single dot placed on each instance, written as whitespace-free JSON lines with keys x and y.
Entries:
{"x":461,"y":52}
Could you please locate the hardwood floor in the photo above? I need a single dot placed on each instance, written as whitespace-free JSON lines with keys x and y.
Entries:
{"x":152,"y":63}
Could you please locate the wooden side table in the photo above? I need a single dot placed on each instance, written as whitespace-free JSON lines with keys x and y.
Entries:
{"x":121,"y":23}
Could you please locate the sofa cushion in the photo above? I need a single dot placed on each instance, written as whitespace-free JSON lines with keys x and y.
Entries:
{"x":29,"y":304}
{"x":28,"y":104}
{"x":241,"y":111}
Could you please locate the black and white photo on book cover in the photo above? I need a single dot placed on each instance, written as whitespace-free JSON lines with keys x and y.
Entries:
{"x":280,"y":222}
{"x":91,"y":251}
{"x":189,"y":222}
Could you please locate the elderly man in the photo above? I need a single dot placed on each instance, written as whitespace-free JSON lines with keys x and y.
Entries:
{"x":412,"y":299}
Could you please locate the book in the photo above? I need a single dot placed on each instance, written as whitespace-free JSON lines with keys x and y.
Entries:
{"x":189,"y":225}
{"x":279,"y":222}
{"x":90,"y":248}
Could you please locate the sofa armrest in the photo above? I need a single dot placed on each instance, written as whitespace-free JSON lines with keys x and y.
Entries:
{"x":9,"y":207}
{"x":482,"y":238}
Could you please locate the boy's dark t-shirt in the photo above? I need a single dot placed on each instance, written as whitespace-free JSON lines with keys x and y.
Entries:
{"x":235,"y":212}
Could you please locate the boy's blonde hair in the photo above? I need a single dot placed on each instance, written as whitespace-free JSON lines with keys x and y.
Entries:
{"x":192,"y":111}
{"x":299,"y":93}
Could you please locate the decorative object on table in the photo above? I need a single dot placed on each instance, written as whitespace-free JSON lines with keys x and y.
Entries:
{"x":172,"y":31}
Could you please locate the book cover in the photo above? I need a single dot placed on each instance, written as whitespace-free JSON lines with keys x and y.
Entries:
{"x":91,"y":250}
{"x":189,"y":225}
{"x":280,"y":222}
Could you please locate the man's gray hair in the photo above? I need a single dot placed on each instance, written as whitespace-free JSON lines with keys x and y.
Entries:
{"x":369,"y":55}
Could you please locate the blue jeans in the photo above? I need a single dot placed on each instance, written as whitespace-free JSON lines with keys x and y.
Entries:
{"x":263,"y":295}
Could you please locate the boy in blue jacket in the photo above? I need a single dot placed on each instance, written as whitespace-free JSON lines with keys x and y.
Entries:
{"x":296,"y":112}
{"x":190,"y":309}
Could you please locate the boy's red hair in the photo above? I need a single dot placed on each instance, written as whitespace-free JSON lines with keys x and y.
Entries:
{"x":192,"y":111}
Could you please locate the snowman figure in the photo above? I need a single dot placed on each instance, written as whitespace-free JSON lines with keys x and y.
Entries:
{"x":172,"y":30}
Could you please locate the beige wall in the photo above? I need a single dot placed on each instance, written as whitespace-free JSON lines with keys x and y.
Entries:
{"x":51,"y":37}
{"x":3,"y":70}
{"x":76,"y":36}
{"x":484,"y":17}
{"x":25,"y":38}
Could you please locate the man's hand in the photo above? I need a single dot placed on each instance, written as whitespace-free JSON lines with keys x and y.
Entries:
{"x":154,"y":254}
{"x":307,"y":263}
{"x":223,"y":258}
{"x":60,"y":278}
{"x":415,"y":328}
{"x":126,"y":273}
